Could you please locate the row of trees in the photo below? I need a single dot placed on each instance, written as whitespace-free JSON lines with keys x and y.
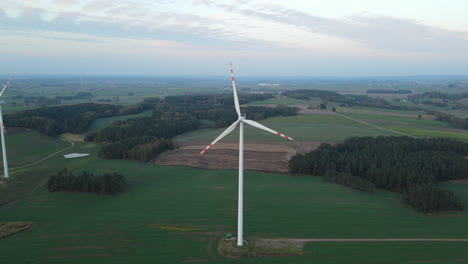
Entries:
{"x":45,"y":101}
{"x":307,"y":94}
{"x":389,"y":91}
{"x":392,"y":163}
{"x":107,"y":183}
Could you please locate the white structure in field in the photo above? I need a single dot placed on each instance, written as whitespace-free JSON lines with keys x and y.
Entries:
{"x":75,"y":155}
{"x":2,"y":133}
{"x":241,"y":120}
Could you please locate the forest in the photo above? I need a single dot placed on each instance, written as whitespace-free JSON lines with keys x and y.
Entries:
{"x":57,"y":120}
{"x":107,"y":183}
{"x":406,"y":165}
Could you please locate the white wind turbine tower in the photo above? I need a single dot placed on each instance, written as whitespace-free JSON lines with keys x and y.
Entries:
{"x":2,"y":133}
{"x":241,"y":120}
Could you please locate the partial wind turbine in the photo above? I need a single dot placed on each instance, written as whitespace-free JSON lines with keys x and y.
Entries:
{"x":241,"y":120}
{"x":2,"y":133}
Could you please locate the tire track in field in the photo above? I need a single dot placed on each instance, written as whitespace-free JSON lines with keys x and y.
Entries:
{"x":72,"y":144}
{"x":378,"y":127}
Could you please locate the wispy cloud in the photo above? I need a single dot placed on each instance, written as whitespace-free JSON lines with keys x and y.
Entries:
{"x":375,"y":31}
{"x":117,"y":19}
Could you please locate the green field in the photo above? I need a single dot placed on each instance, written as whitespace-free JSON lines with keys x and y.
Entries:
{"x":310,"y":127}
{"x":30,"y":146}
{"x":175,"y":215}
{"x":101,"y":123}
{"x":413,"y":126}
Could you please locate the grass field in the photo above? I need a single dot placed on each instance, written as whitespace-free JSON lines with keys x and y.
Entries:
{"x":413,"y":126}
{"x":30,"y":146}
{"x":310,"y":127}
{"x":175,"y":215}
{"x":101,"y":123}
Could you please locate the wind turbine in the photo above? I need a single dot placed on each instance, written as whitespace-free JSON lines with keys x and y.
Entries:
{"x":2,"y":133}
{"x":241,"y":120}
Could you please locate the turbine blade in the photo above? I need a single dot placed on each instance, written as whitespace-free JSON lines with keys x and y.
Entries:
{"x":227,"y":131}
{"x":258,"y":125}
{"x":236,"y":99}
{"x":5,"y":86}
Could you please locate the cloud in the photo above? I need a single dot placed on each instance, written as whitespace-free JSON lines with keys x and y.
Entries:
{"x":66,"y":3}
{"x":125,"y":21}
{"x":377,"y":32}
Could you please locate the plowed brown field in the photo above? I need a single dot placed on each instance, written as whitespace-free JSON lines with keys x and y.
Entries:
{"x":269,"y":156}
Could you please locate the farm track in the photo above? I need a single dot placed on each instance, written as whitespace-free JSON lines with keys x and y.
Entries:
{"x":378,"y":240}
{"x":72,"y":144}
{"x":378,"y":127}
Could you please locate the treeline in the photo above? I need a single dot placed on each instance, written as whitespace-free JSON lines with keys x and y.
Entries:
{"x":46,"y":101}
{"x":260,"y":112}
{"x":436,"y":95}
{"x":389,"y":91}
{"x":107,"y":183}
{"x":449,"y":118}
{"x":217,"y":108}
{"x":434,"y":103}
{"x":307,"y":94}
{"x":168,"y":125}
{"x":400,"y":164}
{"x":348,"y":100}
{"x":140,"y":148}
{"x":56,"y":120}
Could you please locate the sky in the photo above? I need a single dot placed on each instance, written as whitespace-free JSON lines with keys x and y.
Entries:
{"x":260,"y":38}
